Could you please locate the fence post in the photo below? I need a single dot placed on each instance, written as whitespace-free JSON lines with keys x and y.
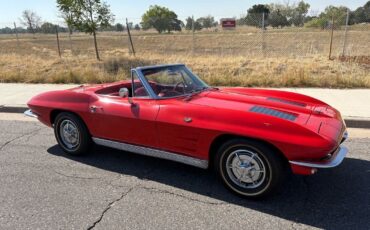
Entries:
{"x":193,"y":34}
{"x":331,"y":37}
{"x":57,"y":33}
{"x":129,"y":37}
{"x":345,"y":34}
{"x":263,"y":45}
{"x":16,"y":34}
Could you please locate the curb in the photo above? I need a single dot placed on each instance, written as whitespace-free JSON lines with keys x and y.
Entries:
{"x":351,"y":122}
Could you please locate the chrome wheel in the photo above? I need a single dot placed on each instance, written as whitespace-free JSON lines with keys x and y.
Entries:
{"x":245,"y":168}
{"x":69,"y":134}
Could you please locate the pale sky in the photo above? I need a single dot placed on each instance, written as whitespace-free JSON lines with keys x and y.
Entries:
{"x":11,"y":10}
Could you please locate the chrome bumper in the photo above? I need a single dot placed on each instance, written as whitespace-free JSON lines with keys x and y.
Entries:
{"x":29,"y":113}
{"x":334,"y":161}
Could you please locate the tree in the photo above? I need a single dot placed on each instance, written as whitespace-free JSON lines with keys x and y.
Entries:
{"x":88,"y":16}
{"x":119,"y":27}
{"x":160,"y":18}
{"x":31,"y":20}
{"x":66,"y":12}
{"x":47,"y":28}
{"x":137,"y":27}
{"x":207,"y":22}
{"x":299,"y":13}
{"x":276,"y":19}
{"x":256,"y":14}
{"x":361,"y":14}
{"x":189,"y":24}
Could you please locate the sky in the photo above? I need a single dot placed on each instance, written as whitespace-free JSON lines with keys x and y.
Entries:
{"x":11,"y":10}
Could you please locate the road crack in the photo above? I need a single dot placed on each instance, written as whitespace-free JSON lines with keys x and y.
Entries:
{"x":180,"y":195}
{"x":17,"y":138}
{"x":109,"y":206}
{"x":76,"y":177}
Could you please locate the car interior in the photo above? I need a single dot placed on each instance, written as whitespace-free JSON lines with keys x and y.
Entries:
{"x":140,"y":91}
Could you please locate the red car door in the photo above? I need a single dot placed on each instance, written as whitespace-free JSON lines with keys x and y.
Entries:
{"x":119,"y":120}
{"x":182,"y":128}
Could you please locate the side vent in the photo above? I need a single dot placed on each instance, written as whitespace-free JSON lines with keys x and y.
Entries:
{"x":273,"y":112}
{"x":287,"y":101}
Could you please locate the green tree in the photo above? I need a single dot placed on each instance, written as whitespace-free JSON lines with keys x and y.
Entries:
{"x":361,"y":14}
{"x":160,"y":18}
{"x":119,"y":27}
{"x":257,"y":14}
{"x":137,"y":27}
{"x":189,"y":24}
{"x":299,"y":13}
{"x":88,"y":16}
{"x":47,"y":28}
{"x":207,"y":22}
{"x":277,"y":19}
{"x":65,"y":9}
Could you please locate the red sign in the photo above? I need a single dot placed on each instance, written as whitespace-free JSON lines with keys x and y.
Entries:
{"x":228,"y":23}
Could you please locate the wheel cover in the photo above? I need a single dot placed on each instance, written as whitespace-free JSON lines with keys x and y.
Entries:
{"x":69,"y":134}
{"x":245,"y":168}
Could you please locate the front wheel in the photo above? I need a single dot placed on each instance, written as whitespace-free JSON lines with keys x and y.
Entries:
{"x":72,"y":134}
{"x":249,"y":168}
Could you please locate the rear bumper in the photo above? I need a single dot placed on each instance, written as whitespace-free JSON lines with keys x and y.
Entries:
{"x":29,"y":113}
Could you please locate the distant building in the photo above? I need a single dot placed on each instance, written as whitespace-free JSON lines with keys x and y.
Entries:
{"x":228,"y":23}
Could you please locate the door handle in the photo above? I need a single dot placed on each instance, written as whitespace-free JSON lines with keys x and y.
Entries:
{"x":93,"y":108}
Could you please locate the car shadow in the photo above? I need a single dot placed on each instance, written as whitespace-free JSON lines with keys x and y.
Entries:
{"x":332,"y":199}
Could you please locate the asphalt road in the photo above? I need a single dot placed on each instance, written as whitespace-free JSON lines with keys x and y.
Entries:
{"x":43,"y":188}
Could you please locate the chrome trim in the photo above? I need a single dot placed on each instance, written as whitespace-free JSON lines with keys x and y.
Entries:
{"x":152,"y":152}
{"x":29,"y":113}
{"x":335,"y":160}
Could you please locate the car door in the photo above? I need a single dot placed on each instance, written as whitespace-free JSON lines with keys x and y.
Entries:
{"x":182,"y":128}
{"x":122,"y":121}
{"x":129,"y":120}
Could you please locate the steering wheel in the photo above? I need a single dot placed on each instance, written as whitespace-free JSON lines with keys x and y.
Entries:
{"x":177,"y":85}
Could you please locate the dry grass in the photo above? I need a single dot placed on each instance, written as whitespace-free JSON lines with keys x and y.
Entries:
{"x":234,"y":58}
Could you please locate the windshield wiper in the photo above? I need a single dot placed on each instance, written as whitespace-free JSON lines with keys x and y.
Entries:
{"x":195,"y":92}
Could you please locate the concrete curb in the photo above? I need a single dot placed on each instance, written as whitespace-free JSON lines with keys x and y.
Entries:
{"x":351,"y":122}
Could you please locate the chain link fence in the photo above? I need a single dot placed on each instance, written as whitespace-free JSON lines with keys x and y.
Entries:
{"x":256,"y":35}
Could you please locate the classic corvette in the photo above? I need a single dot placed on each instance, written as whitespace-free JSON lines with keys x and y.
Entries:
{"x":250,"y":137}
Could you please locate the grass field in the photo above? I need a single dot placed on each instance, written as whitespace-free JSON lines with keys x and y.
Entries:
{"x":290,"y":58}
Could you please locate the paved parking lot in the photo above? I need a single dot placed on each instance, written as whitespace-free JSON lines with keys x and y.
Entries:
{"x":43,"y":188}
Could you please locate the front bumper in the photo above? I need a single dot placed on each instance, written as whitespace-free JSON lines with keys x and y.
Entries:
{"x":334,"y":161}
{"x":308,"y":168}
{"x":29,"y":113}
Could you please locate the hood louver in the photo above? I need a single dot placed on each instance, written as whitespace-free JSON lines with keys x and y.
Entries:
{"x":287,"y":101}
{"x":273,"y":112}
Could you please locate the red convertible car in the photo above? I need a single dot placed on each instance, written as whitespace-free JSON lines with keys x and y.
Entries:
{"x":251,"y":137}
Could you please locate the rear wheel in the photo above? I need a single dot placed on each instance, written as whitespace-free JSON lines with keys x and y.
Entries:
{"x":71,"y":134}
{"x":249,"y":168}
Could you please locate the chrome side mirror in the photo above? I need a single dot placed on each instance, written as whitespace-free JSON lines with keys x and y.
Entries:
{"x":124,"y":92}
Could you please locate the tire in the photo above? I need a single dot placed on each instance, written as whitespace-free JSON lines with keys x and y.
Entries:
{"x":255,"y":170}
{"x":72,"y":134}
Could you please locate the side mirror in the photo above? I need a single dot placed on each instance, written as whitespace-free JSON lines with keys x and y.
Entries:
{"x":124,"y":92}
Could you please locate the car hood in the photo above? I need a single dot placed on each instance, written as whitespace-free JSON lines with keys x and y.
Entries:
{"x":252,"y":100}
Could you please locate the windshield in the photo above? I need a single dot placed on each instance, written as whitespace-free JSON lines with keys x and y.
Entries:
{"x":173,"y":81}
